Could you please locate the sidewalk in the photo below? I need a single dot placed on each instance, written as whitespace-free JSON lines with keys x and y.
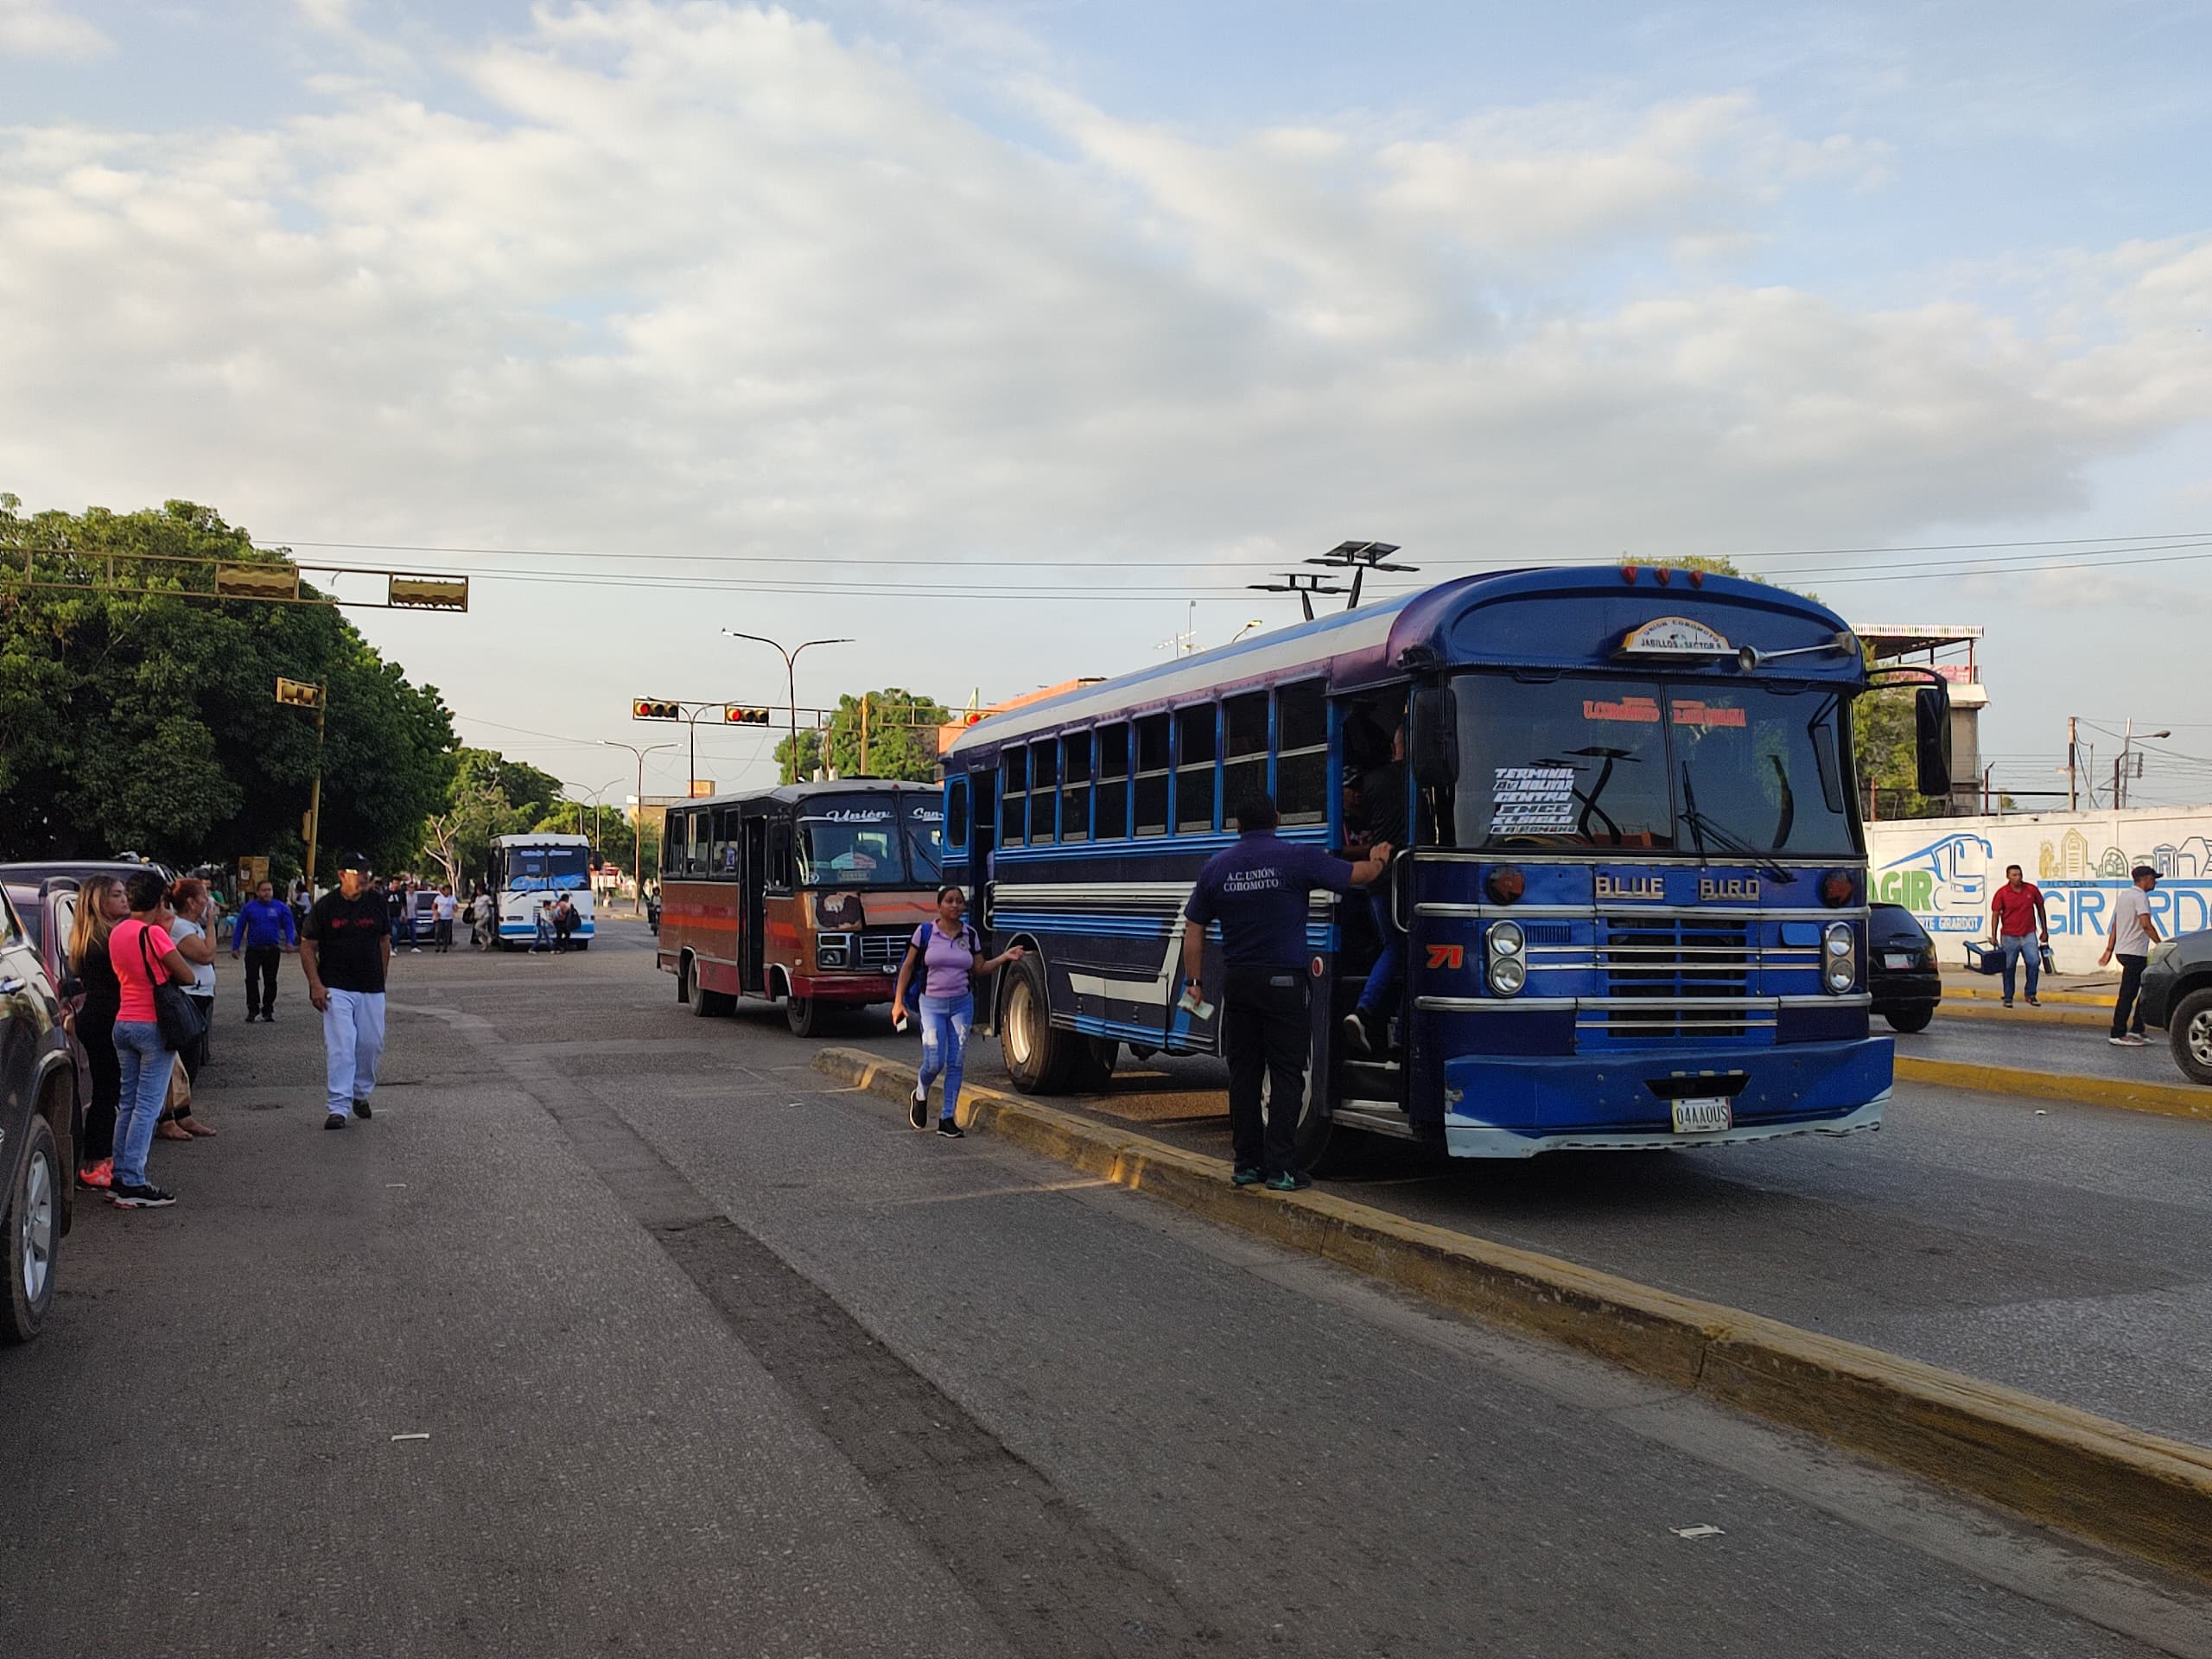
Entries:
{"x":2075,"y":990}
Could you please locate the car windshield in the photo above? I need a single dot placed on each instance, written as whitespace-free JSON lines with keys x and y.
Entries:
{"x":1729,"y":771}
{"x":851,"y":842}
{"x":925,"y":838}
{"x":545,"y":869}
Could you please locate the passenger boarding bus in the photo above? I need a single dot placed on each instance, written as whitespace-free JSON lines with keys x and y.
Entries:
{"x":532,"y":872}
{"x":805,"y":894}
{"x":1634,"y":892}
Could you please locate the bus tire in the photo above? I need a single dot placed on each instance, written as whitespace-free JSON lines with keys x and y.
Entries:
{"x":1093,"y":1064}
{"x":1039,"y":1055}
{"x":704,"y":1003}
{"x":805,"y":1015}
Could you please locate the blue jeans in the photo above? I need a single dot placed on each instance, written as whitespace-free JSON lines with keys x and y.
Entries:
{"x":946,"y":1020}
{"x":2027,"y":945}
{"x":1389,"y":968}
{"x":146,"y":1064}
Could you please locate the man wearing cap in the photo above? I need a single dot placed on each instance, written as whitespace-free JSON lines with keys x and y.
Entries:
{"x":345,"y":948}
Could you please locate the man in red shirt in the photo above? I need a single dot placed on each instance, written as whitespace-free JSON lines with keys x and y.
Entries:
{"x":2018,"y":927}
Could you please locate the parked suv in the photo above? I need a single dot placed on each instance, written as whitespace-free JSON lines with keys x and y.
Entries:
{"x":1901,"y":970}
{"x":2177,"y":994}
{"x":40,"y":1108}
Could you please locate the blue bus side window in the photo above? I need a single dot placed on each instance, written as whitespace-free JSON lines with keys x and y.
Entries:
{"x":1014,"y":798}
{"x":1113,"y":782}
{"x":1245,"y":773}
{"x":1152,"y":775}
{"x":956,"y":816}
{"x":1075,"y":787}
{"x":1044,"y":790}
{"x":1302,"y":754}
{"x":1198,"y":734}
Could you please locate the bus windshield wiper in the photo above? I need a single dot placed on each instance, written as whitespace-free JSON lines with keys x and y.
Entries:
{"x":1701,"y":827}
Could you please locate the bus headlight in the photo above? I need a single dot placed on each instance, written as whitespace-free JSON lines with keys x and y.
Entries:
{"x":833,"y":950}
{"x":1840,"y":964}
{"x":1508,"y":965}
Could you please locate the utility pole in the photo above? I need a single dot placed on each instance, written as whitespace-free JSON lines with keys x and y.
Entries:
{"x":790,"y":675}
{"x":638,"y":823}
{"x":2073,"y":799}
{"x":310,"y":694}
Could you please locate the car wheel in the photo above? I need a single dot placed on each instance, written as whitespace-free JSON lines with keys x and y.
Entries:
{"x":30,"y":1238}
{"x":1909,"y":1019}
{"x":2189,"y":1029}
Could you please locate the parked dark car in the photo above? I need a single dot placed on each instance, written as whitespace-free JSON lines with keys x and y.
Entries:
{"x":2177,"y":996}
{"x":43,"y":1084}
{"x":1901,"y":968}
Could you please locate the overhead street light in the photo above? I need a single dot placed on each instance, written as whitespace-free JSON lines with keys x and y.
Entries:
{"x":791,"y":674}
{"x":638,"y":823}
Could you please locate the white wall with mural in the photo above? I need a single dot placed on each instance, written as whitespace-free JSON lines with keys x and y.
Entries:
{"x":1944,"y":870}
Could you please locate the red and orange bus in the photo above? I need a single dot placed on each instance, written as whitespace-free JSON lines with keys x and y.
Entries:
{"x":805,"y":894}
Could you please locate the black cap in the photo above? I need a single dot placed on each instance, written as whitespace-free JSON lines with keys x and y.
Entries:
{"x":353,"y":861}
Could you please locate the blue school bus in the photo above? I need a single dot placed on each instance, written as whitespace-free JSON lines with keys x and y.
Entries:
{"x":1633,"y":898}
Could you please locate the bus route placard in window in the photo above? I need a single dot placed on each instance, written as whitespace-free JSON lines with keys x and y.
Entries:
{"x":1532,"y":801}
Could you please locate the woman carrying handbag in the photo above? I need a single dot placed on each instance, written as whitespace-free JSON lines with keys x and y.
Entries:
{"x":155,"y":1019}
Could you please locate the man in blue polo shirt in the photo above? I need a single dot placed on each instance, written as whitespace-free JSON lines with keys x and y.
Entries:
{"x":1257,"y":890}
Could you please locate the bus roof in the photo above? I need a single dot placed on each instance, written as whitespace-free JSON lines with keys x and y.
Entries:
{"x":798,"y":794}
{"x":1482,"y":620}
{"x":541,"y":838}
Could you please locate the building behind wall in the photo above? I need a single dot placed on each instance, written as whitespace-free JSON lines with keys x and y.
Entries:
{"x":1949,"y":649}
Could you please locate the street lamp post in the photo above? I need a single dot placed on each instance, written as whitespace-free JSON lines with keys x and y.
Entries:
{"x":791,"y":676}
{"x":2119,"y":773}
{"x":638,"y":823}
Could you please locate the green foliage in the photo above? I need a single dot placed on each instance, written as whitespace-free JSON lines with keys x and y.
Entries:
{"x":901,"y":739}
{"x":490,"y":795}
{"x":148,"y":721}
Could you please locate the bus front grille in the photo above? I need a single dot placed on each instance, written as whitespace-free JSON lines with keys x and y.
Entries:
{"x":1688,"y":970}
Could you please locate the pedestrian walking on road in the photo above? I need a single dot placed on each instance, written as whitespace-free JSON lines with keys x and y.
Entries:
{"x":543,"y":938}
{"x":143,"y":957}
{"x":346,"y":951}
{"x":100,"y":906}
{"x":1258,"y":891}
{"x":443,"y":910}
{"x":951,"y":956}
{"x":2019,"y":928}
{"x":2133,"y":931}
{"x":266,"y":932}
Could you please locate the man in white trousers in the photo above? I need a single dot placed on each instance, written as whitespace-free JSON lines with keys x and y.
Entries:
{"x":345,"y":948}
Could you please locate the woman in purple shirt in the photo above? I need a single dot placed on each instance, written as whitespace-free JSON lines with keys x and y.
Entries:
{"x":951,"y":955}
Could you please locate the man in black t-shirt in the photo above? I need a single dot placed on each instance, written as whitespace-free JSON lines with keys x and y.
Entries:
{"x":345,"y":948}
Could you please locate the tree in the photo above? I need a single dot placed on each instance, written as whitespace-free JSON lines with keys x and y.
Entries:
{"x":147,"y":721}
{"x":1884,"y":749}
{"x":490,"y":795}
{"x":900,"y":731}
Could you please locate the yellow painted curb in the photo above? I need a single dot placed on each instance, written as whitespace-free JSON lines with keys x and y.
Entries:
{"x":2165,"y":1099}
{"x":2100,"y":1020}
{"x":2125,"y":1489}
{"x":1996,"y":994}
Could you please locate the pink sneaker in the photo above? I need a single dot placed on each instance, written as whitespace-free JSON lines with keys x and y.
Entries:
{"x":100,"y":1175}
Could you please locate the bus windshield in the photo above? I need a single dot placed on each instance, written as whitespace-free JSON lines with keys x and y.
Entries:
{"x":545,"y":869}
{"x":925,"y":838}
{"x":850,"y":841}
{"x":1731,"y":770}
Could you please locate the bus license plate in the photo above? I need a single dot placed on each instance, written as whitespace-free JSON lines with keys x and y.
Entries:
{"x":1702,"y":1116}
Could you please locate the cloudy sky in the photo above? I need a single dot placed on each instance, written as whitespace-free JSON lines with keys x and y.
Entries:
{"x":1015,"y":338}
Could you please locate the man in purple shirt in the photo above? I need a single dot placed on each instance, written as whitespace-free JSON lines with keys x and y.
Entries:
{"x":1257,"y":890}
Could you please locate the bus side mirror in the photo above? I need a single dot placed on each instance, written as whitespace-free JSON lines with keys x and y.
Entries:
{"x":1931,"y":720}
{"x":1433,"y":736}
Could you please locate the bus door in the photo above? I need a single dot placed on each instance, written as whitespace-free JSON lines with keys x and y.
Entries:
{"x":1434,"y":897}
{"x":752,"y":907}
{"x":982,"y":836}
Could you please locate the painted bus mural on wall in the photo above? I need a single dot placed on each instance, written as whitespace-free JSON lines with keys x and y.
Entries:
{"x":1945,"y":870}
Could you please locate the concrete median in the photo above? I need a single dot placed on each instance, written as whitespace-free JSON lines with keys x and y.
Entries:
{"x":2164,"y":1099}
{"x":2148,"y":1497}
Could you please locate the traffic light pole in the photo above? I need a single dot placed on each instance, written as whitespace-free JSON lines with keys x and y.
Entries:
{"x":315,"y":790}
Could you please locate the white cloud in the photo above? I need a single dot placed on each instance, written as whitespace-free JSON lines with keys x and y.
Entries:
{"x":40,"y":29}
{"x":715,"y":278}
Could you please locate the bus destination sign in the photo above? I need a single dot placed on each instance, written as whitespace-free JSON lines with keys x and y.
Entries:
{"x":1674,"y":636}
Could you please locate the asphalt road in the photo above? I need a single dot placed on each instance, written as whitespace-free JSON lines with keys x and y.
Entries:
{"x":2063,"y":1249}
{"x":621,"y":1332}
{"x":2082,"y":1051}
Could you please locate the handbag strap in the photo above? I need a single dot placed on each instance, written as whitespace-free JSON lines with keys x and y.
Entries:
{"x":146,"y":951}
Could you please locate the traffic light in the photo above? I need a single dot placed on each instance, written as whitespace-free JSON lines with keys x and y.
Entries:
{"x":653,"y":708}
{"x":734,"y":716}
{"x":302,"y":694}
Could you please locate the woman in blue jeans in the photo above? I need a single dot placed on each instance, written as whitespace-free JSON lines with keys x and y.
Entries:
{"x":144,"y":956}
{"x":950,"y":957}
